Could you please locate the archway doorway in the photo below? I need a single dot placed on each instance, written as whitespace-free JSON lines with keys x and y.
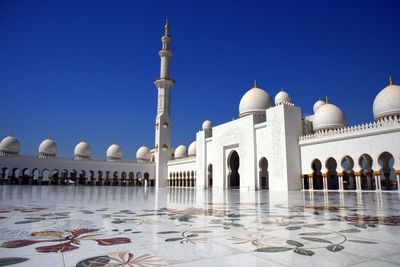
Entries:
{"x":333,"y":181}
{"x":210,"y":175}
{"x":233,"y":165}
{"x":317,"y":176}
{"x":263,"y":173}
{"x":388,"y":176}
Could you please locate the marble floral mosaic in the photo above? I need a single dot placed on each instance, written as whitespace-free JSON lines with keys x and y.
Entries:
{"x":188,"y":228}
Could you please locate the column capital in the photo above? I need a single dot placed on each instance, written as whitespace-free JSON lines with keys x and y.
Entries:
{"x":325,"y":174}
{"x":340,"y":174}
{"x":357,"y":173}
{"x":377,"y":173}
{"x":397,"y":172}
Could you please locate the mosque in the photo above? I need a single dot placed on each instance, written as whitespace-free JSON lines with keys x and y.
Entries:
{"x":271,"y":145}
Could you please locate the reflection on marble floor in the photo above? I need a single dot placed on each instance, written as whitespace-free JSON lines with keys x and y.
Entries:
{"x":128,"y":226}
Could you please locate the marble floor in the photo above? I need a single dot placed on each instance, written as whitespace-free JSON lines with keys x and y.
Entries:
{"x":135,"y":226}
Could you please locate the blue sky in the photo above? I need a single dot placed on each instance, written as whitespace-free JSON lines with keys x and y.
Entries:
{"x":78,"y":70}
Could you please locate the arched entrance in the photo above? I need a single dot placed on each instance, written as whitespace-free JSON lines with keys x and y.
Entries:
{"x":210,"y":175}
{"x":263,"y":173}
{"x":233,"y":165}
{"x":347,"y":164}
{"x":388,"y":176}
{"x":366,"y":182}
{"x":317,"y":175}
{"x":333,"y":181}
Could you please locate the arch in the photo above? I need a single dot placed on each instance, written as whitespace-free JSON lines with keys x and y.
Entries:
{"x":45,"y":177}
{"x":25,"y":176}
{"x":333,"y":179}
{"x":388,"y":176}
{"x":263,"y":173}
{"x":233,"y":166}
{"x":131,"y":178}
{"x":5,"y":172}
{"x":64,"y":176}
{"x":347,"y":164}
{"x":316,"y":166}
{"x":54,"y":178}
{"x":35,"y":174}
{"x":365,"y":163}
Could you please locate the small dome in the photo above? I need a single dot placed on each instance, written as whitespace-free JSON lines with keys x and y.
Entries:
{"x":181,"y":152}
{"x":254,"y":101}
{"x":328,"y":117}
{"x":10,"y":145}
{"x":317,"y":105}
{"x":143,"y":153}
{"x":207,"y":125}
{"x":48,"y":148}
{"x":114,"y":152}
{"x":282,"y":98}
{"x":82,"y":150}
{"x":387,"y":102}
{"x":192,"y":149}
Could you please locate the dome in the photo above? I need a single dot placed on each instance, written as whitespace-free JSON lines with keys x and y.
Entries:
{"x":114,"y":152}
{"x":10,"y":145}
{"x":207,"y":125}
{"x":48,"y":148}
{"x":192,"y":149}
{"x":282,"y":98}
{"x":82,"y":150}
{"x":181,"y":152}
{"x":387,"y":102}
{"x":143,"y":153}
{"x":254,"y":101}
{"x":317,"y":105}
{"x":328,"y":116}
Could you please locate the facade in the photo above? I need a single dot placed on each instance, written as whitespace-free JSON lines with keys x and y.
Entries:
{"x":269,"y":146}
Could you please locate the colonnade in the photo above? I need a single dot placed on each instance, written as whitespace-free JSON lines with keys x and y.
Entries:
{"x":182,"y":179}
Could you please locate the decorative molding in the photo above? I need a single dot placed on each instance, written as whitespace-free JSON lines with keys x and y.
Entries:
{"x":351,"y":131}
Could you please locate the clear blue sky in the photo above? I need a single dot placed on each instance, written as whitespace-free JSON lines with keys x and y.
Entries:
{"x":85,"y":69}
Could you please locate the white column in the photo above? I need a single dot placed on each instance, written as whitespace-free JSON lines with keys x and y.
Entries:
{"x":398,"y":179}
{"x":340,"y":178}
{"x":358,"y":181}
{"x":325,"y":180}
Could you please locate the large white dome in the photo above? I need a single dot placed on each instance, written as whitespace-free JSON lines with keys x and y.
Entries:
{"x":192,"y":149}
{"x":10,"y":145}
{"x":387,"y":102}
{"x":82,"y":150}
{"x":254,"y":101}
{"x":317,"y":105}
{"x":207,"y":125}
{"x":327,"y":117}
{"x":282,"y":98}
{"x":48,"y":148}
{"x":114,"y":152}
{"x":181,"y":152}
{"x":143,"y":153}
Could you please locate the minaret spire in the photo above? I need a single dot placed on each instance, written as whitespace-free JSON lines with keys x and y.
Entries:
{"x":166,"y":27}
{"x":164,"y":85}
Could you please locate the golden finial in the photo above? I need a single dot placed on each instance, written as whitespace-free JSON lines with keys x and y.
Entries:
{"x":166,"y":27}
{"x":255,"y":84}
{"x":390,"y":80}
{"x":326,"y":100}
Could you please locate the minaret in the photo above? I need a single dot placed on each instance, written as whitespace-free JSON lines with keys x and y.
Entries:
{"x":163,"y":121}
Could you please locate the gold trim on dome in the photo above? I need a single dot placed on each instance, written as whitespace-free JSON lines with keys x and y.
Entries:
{"x":390,"y":80}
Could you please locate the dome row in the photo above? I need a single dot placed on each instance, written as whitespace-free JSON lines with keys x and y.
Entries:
{"x":182,"y":151}
{"x":256,"y":101}
{"x":48,"y":149}
{"x":326,"y":115}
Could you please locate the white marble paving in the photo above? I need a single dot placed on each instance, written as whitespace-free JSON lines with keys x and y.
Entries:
{"x":129,"y":226}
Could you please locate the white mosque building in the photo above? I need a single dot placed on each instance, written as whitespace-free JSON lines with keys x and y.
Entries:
{"x":269,"y":146}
